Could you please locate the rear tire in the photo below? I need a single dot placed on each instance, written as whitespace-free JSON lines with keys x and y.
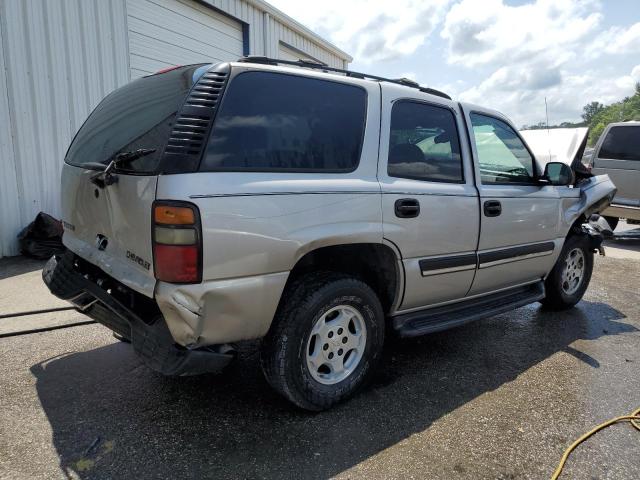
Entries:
{"x":570,"y":276}
{"x":325,"y":341}
{"x":121,"y":338}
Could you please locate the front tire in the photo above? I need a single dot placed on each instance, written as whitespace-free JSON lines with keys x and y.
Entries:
{"x":325,"y":341}
{"x":570,"y":276}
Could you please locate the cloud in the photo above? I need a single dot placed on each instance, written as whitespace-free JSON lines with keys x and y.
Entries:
{"x":491,"y":32}
{"x":543,"y":49}
{"x":565,"y":99}
{"x":616,"y":40}
{"x":508,"y":57}
{"x":628,"y":82}
{"x":372,"y":31}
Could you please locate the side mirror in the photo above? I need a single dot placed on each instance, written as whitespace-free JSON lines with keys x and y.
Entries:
{"x":558,"y":173}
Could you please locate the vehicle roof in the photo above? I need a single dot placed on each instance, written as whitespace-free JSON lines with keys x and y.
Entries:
{"x":321,"y":71}
{"x":629,"y":123}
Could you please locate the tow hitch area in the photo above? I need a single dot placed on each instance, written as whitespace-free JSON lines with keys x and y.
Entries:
{"x":105,"y":300}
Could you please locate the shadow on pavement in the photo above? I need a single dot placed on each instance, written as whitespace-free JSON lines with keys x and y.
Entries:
{"x":626,"y":240}
{"x":12,"y":266}
{"x":111,"y":417}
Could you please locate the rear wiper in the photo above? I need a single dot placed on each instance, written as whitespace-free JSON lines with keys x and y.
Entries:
{"x":105,"y":178}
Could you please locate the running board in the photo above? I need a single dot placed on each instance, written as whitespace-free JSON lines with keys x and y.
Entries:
{"x":441,"y":318}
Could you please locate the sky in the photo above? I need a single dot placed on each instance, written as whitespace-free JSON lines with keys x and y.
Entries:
{"x":503,"y":54}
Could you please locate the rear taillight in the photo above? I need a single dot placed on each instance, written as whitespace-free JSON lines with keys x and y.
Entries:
{"x":177,"y":242}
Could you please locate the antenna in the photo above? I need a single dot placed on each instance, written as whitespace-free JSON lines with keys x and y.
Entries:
{"x":546,"y":110}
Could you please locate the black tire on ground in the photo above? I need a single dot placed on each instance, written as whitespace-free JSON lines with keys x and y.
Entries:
{"x":612,"y":221}
{"x":284,"y":350}
{"x":557,"y":297}
{"x":121,"y":338}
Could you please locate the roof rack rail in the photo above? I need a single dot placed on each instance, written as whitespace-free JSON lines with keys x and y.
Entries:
{"x":322,"y":66}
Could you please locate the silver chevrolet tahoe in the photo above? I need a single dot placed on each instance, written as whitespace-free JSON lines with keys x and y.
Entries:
{"x":313,"y":209}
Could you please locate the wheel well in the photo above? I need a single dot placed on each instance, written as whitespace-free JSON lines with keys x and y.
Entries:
{"x":576,"y":227}
{"x":375,"y":264}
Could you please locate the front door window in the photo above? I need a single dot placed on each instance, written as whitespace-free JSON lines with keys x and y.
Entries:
{"x":502,"y":156}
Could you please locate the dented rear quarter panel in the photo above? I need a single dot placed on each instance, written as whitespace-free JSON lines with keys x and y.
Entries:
{"x":255,"y":228}
{"x":254,"y":232}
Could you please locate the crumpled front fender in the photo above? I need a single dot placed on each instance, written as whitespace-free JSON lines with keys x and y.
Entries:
{"x":596,"y":193}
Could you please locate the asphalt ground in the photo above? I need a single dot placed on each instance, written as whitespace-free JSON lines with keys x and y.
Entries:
{"x":498,"y":398}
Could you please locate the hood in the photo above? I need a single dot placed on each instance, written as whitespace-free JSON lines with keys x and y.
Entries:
{"x":564,"y":145}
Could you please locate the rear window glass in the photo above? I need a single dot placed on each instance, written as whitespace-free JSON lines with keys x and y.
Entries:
{"x":621,"y":143}
{"x":138,"y":115}
{"x":424,"y":143}
{"x":287,"y":123}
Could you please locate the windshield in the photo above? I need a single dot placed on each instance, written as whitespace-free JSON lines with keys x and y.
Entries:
{"x":138,"y":115}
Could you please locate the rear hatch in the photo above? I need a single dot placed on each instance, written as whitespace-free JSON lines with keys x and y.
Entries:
{"x":110,"y":225}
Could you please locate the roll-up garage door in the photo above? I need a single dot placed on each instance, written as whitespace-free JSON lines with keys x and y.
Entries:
{"x":164,"y":33}
{"x":288,"y":53}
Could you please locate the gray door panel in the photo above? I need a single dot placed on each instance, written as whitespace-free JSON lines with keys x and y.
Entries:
{"x":529,"y":214}
{"x":625,"y":174}
{"x":447,"y":223}
{"x":514,"y":267}
{"x":519,"y":236}
{"x":447,"y":226}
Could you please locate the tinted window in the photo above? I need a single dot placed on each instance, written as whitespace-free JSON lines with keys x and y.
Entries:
{"x":424,"y":143}
{"x":621,"y":143}
{"x":138,"y":115}
{"x":278,"y":122}
{"x":502,"y":156}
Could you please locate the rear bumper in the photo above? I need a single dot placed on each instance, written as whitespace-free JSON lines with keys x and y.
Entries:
{"x":151,"y":339}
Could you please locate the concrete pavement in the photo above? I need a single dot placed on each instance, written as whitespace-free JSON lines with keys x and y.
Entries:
{"x":499,"y":398}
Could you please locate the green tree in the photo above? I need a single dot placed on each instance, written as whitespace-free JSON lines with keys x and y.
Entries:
{"x":591,"y":110}
{"x":600,"y":116}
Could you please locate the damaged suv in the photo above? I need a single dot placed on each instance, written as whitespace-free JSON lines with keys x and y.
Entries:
{"x":312,"y":208}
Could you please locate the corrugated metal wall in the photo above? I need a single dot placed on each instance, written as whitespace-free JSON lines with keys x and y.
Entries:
{"x":266,"y":31}
{"x":278,"y":33}
{"x":59,"y":58}
{"x":170,"y":32}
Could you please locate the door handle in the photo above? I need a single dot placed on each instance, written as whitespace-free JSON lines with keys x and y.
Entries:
{"x":407,"y":208}
{"x":492,"y":208}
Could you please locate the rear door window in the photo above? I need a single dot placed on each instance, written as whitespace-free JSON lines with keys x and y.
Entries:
{"x":138,"y":115}
{"x":287,"y":123}
{"x":621,"y":143}
{"x":424,"y":143}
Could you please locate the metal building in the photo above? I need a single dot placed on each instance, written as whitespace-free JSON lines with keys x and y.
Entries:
{"x":59,"y":58}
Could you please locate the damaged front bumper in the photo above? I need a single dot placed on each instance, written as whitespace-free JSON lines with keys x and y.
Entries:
{"x":112,"y":304}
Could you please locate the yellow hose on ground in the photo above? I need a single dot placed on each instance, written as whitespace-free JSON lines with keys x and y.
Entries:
{"x":634,"y":418}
